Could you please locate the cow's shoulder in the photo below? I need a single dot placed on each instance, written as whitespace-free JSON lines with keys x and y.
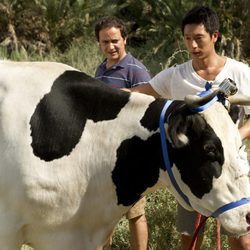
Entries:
{"x":60,"y":117}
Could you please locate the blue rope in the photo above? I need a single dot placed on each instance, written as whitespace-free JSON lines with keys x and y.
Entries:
{"x":168,"y":166}
{"x":229,"y":206}
{"x":208,"y":87}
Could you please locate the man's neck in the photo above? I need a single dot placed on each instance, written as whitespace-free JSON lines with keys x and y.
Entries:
{"x":210,"y":67}
{"x":111,"y":63}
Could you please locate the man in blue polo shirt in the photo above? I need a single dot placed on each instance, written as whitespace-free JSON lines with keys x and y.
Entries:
{"x":121,"y":70}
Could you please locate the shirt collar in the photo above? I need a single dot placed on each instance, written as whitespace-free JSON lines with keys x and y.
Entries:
{"x":122,"y":64}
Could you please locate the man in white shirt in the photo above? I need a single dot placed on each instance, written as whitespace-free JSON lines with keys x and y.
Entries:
{"x":200,"y":28}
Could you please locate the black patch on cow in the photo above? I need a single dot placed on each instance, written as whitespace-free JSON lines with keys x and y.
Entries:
{"x":137,"y":168}
{"x":59,"y":118}
{"x":151,"y":118}
{"x":235,"y":113}
{"x":202,"y":158}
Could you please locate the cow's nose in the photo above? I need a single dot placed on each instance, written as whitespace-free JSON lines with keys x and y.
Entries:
{"x":248,"y":218}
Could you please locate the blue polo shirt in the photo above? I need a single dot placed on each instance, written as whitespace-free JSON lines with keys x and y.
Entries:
{"x":128,"y":73}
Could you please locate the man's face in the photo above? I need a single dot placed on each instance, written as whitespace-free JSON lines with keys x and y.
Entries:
{"x":112,"y":45}
{"x":198,"y":41}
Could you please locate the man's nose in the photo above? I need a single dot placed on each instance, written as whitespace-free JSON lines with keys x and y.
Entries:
{"x":194,"y":44}
{"x":111,"y":45}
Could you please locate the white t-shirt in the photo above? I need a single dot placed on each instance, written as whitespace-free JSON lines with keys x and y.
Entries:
{"x":181,"y":80}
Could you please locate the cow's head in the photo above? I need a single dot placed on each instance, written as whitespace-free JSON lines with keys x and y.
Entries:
{"x":209,"y":165}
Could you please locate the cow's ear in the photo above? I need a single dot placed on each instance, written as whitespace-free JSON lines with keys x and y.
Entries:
{"x":176,"y":132}
{"x":183,"y":127}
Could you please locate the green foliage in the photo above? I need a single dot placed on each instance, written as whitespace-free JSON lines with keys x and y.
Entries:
{"x":160,"y":213}
{"x":25,"y":247}
{"x":67,"y":20}
{"x":84,"y":55}
{"x":40,"y":26}
{"x":24,"y":27}
{"x":43,"y":25}
{"x":234,"y":17}
{"x":157,"y":27}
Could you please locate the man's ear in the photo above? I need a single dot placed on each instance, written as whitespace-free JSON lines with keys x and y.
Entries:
{"x":125,"y":40}
{"x":215,"y":36}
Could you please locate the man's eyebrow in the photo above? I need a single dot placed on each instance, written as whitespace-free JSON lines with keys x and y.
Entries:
{"x":199,"y":34}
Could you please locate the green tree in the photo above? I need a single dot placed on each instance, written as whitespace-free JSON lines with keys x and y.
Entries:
{"x":37,"y":26}
{"x":156,"y":25}
{"x":234,"y":17}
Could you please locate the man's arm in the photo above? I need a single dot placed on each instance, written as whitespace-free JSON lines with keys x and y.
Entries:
{"x":143,"y":88}
{"x":245,"y":130}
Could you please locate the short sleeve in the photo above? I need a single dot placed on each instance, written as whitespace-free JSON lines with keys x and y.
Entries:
{"x":161,"y":83}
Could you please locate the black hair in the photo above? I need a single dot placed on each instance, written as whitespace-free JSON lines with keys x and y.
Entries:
{"x":202,"y":15}
{"x":109,"y":22}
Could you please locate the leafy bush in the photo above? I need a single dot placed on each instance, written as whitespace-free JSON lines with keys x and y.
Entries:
{"x":160,"y":213}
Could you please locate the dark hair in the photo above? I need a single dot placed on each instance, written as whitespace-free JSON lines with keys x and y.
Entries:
{"x":202,"y":15}
{"x":109,"y":22}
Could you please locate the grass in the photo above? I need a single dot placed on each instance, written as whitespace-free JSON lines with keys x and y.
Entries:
{"x":75,"y":56}
{"x":25,"y":247}
{"x":160,"y":213}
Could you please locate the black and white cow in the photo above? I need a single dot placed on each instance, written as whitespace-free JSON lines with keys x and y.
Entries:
{"x":76,"y":154}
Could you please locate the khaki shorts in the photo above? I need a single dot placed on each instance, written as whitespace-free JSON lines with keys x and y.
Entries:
{"x":138,"y":209}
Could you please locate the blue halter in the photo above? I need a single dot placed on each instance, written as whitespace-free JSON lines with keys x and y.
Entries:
{"x":208,"y":87}
{"x":168,"y":165}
